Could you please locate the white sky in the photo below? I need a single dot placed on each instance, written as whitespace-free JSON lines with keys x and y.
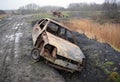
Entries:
{"x":15,"y":4}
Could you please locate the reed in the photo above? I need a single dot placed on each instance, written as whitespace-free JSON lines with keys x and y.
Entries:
{"x":105,"y":33}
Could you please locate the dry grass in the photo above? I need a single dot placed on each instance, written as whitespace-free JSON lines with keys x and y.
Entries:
{"x":3,"y":16}
{"x":107,"y":33}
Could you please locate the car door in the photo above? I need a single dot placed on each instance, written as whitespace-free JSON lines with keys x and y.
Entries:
{"x":37,"y":30}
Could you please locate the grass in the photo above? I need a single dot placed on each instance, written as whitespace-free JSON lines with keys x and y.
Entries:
{"x":107,"y":64}
{"x":35,"y":17}
{"x":42,"y":15}
{"x":84,"y":14}
{"x":113,"y":77}
{"x":105,"y":33}
{"x":66,"y":13}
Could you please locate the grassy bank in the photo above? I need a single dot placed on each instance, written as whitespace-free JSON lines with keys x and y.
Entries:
{"x":106,"y":33}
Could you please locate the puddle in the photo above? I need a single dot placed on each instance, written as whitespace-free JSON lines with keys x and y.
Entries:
{"x":17,"y":37}
{"x":9,"y":50}
{"x":22,"y":23}
{"x":10,"y":37}
{"x":8,"y":59}
{"x":16,"y":55}
{"x":1,"y":51}
{"x":17,"y":50}
{"x":16,"y":26}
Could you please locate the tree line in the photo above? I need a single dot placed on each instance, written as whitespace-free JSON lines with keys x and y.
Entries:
{"x":110,"y":8}
{"x":72,"y":7}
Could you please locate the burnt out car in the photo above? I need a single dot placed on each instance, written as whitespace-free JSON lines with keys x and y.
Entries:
{"x":57,"y":45}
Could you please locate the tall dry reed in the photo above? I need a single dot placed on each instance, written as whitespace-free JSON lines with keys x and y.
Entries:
{"x":107,"y":33}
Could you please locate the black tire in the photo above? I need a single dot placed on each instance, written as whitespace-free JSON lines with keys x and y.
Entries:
{"x":35,"y":54}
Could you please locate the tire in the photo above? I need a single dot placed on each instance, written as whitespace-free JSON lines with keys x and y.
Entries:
{"x":35,"y":54}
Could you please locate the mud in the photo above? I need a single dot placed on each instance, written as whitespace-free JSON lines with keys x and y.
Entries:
{"x":15,"y":62}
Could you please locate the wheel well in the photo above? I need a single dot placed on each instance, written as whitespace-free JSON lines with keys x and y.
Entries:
{"x":49,"y":47}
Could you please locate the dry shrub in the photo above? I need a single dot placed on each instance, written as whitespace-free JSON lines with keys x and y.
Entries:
{"x":107,"y":33}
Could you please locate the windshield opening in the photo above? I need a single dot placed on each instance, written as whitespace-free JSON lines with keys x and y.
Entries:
{"x":60,"y":31}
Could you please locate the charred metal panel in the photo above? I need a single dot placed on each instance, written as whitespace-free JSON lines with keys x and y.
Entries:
{"x":65,"y":48}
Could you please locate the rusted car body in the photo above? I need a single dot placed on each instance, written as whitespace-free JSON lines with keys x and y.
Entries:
{"x":56,"y":44}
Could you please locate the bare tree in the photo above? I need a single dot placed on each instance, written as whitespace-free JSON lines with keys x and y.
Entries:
{"x":110,"y":9}
{"x":2,"y":12}
{"x":29,"y":9}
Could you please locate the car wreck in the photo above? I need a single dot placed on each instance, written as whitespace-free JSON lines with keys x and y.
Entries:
{"x":57,"y":45}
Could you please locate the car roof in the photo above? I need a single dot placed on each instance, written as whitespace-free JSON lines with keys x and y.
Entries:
{"x":58,"y":23}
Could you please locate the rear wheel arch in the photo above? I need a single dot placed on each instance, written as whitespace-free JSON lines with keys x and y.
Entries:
{"x":52,"y":49}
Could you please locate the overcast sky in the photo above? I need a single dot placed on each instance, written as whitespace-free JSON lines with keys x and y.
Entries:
{"x":15,"y":4}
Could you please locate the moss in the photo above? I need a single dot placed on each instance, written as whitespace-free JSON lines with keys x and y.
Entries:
{"x":107,"y":71}
{"x":107,"y":64}
{"x":106,"y":67}
{"x":113,"y":77}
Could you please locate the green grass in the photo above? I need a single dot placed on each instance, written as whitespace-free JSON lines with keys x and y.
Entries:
{"x":66,"y":13}
{"x":108,"y":64}
{"x":83,"y":13}
{"x":113,"y":77}
{"x":42,"y":15}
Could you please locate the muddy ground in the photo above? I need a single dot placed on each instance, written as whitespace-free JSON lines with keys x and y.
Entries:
{"x":17,"y":66}
{"x":15,"y":62}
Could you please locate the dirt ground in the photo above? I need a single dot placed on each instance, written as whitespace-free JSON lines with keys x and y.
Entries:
{"x":15,"y":62}
{"x":17,"y":66}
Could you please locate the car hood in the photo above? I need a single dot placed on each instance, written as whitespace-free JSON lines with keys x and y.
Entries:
{"x":66,"y":48}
